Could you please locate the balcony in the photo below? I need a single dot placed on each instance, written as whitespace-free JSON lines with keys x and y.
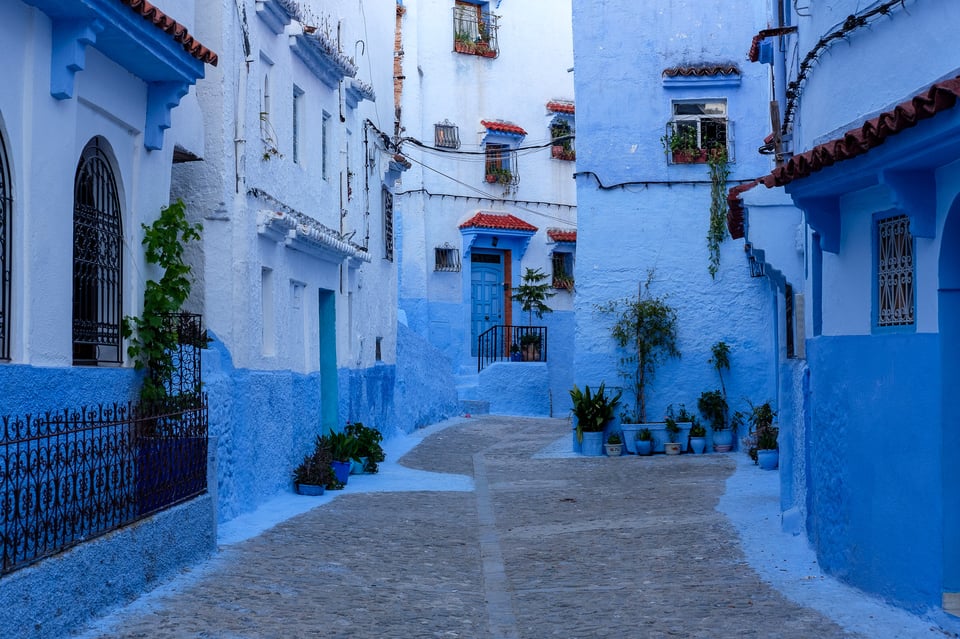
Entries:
{"x":474,"y":31}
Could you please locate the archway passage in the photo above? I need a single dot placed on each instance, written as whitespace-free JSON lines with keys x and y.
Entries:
{"x":949,"y":327}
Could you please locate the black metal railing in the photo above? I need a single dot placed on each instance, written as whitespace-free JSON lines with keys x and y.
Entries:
{"x":475,"y":31}
{"x":183,"y":377}
{"x":68,"y":476}
{"x":511,"y":343}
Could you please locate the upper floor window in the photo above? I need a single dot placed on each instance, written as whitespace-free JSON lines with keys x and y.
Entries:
{"x":387,"y":225}
{"x":297,"y":124}
{"x":6,"y":237}
{"x":698,"y":128}
{"x":446,"y":135}
{"x":446,"y":258}
{"x":562,"y":263}
{"x":325,"y":145}
{"x":501,"y":164}
{"x":97,"y":260}
{"x":475,"y":29}
{"x":895,"y":272}
{"x":561,"y":133}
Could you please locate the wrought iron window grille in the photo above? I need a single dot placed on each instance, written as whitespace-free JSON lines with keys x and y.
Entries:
{"x":562,"y":264}
{"x":446,"y":258}
{"x":895,"y":276}
{"x":6,"y":235}
{"x":446,"y":135}
{"x":387,"y":225}
{"x":97,"y":261}
{"x":500,"y":166}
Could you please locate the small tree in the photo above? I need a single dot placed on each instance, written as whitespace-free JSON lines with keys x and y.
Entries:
{"x":533,"y":293}
{"x":647,"y":327}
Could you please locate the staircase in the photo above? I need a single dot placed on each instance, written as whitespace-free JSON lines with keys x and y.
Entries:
{"x":468,"y":390}
{"x":504,"y":388}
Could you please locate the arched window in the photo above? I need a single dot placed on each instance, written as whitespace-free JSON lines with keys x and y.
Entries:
{"x":97,"y":260}
{"x":6,"y":219}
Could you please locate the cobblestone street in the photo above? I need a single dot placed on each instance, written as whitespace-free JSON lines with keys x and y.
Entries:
{"x":542,"y":547}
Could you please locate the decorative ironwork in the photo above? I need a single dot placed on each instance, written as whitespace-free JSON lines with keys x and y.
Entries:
{"x":446,"y":135}
{"x":6,"y":236}
{"x":97,"y":261}
{"x":75,"y":474}
{"x":511,"y":343}
{"x":183,"y":376}
{"x":446,"y":258}
{"x":387,"y":225}
{"x":500,"y":165}
{"x":895,"y":298}
{"x":475,"y":30}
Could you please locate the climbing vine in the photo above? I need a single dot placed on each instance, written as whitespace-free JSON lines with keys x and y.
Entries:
{"x":152,"y":342}
{"x":717,"y":232}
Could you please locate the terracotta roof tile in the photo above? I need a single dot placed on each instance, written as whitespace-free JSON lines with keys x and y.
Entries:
{"x":562,"y":235}
{"x":561,"y":106}
{"x":502,"y":221}
{"x":503,"y":127}
{"x":176,"y":30}
{"x":871,"y":134}
{"x":735,"y":214}
{"x":754,"y":53}
{"x":702,"y":70}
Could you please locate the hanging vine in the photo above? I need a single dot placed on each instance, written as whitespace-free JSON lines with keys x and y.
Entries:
{"x":717,"y":232}
{"x":152,"y":342}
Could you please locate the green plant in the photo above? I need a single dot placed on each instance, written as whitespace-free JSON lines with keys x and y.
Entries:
{"x":592,"y":411}
{"x":720,"y":361}
{"x":762,"y":434}
{"x":647,"y":327}
{"x":614,"y":439}
{"x":368,"y":445}
{"x":532,"y":294}
{"x":152,"y":342}
{"x":717,"y":230}
{"x":644,"y":435}
{"x":315,"y":468}
{"x":697,"y":429}
{"x":682,"y":138}
{"x":530,"y":338}
{"x":713,"y":408}
{"x":343,"y":446}
{"x":560,"y":132}
{"x":499,"y":174}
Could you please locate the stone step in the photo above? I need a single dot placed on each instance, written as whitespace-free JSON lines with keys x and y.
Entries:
{"x":474,"y":407}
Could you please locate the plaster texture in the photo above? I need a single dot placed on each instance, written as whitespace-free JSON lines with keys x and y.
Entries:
{"x":517,"y":388}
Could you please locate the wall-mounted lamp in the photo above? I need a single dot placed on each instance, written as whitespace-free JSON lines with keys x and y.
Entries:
{"x":494,"y":240}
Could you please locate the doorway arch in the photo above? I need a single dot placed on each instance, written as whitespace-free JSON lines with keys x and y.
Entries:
{"x":948,"y":302}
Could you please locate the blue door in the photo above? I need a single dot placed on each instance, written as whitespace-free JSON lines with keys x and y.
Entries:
{"x":486,"y":294}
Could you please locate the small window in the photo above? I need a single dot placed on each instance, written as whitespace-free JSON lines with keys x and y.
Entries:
{"x":475,"y":29}
{"x":788,"y":321}
{"x":297,"y":124}
{"x":698,"y":128}
{"x":562,"y":136}
{"x":387,"y":225}
{"x":446,"y":135}
{"x":325,"y":145}
{"x":501,"y":164}
{"x":446,"y":258}
{"x":562,"y":263}
{"x":895,"y":276}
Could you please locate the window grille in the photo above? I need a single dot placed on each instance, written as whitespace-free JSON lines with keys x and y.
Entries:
{"x":97,"y":261}
{"x":562,"y":263}
{"x":895,"y":295}
{"x":788,"y":320}
{"x":446,"y":135}
{"x":297,"y":102}
{"x":475,"y":29}
{"x":562,"y":136}
{"x":501,"y":164}
{"x":324,"y":145}
{"x":446,"y":258}
{"x":696,"y":128}
{"x":6,"y":235}
{"x":387,"y":225}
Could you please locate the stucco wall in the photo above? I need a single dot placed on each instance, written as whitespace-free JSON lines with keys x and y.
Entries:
{"x":874,"y":501}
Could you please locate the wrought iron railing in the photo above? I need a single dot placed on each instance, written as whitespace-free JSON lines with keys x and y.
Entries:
{"x":475,"y":31}
{"x":68,"y":476}
{"x":183,"y":377}
{"x":511,"y":343}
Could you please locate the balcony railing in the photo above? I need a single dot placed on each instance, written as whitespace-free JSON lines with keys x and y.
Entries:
{"x":475,"y":32}
{"x":511,"y":343}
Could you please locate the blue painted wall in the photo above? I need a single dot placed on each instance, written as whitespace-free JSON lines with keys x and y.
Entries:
{"x":874,"y":500}
{"x":34,"y":389}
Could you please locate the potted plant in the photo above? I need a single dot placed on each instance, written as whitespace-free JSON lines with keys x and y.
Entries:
{"x":644,"y":441}
{"x":314,"y":473}
{"x":369,"y":451}
{"x":698,"y":437}
{"x":532,"y":295}
{"x":561,"y":134}
{"x":766,"y":434}
{"x":463,"y":43}
{"x":672,"y":445}
{"x":646,"y":328}
{"x":683,"y":144}
{"x":343,"y":449}
{"x":713,"y":408}
{"x":614,"y":445}
{"x":515,"y":354}
{"x":593,"y":411}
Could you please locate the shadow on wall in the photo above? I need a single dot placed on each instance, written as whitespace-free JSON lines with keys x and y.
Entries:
{"x":425,"y":390}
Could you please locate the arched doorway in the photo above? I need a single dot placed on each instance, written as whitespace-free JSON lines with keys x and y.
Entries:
{"x":949,"y":328}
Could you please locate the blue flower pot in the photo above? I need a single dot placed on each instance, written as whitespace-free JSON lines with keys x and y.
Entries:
{"x":768,"y":459}
{"x":341,"y":470}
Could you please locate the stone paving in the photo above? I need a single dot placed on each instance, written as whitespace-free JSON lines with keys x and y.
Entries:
{"x":557,"y":547}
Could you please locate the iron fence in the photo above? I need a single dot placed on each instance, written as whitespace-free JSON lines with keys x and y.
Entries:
{"x":69,"y":476}
{"x":511,"y":343}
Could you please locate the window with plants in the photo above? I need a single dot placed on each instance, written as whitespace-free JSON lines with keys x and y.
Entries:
{"x":562,"y":136}
{"x":562,"y":263}
{"x":500,"y":166}
{"x":475,"y":29}
{"x":697,"y":128}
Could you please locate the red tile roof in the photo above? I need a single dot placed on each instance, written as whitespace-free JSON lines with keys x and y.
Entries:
{"x":502,"y":221}
{"x":176,"y":30}
{"x":735,"y":214}
{"x":561,"y":106}
{"x":562,"y":235}
{"x":704,"y":70}
{"x":503,"y":127}
{"x":754,"y":53}
{"x":873,"y":133}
